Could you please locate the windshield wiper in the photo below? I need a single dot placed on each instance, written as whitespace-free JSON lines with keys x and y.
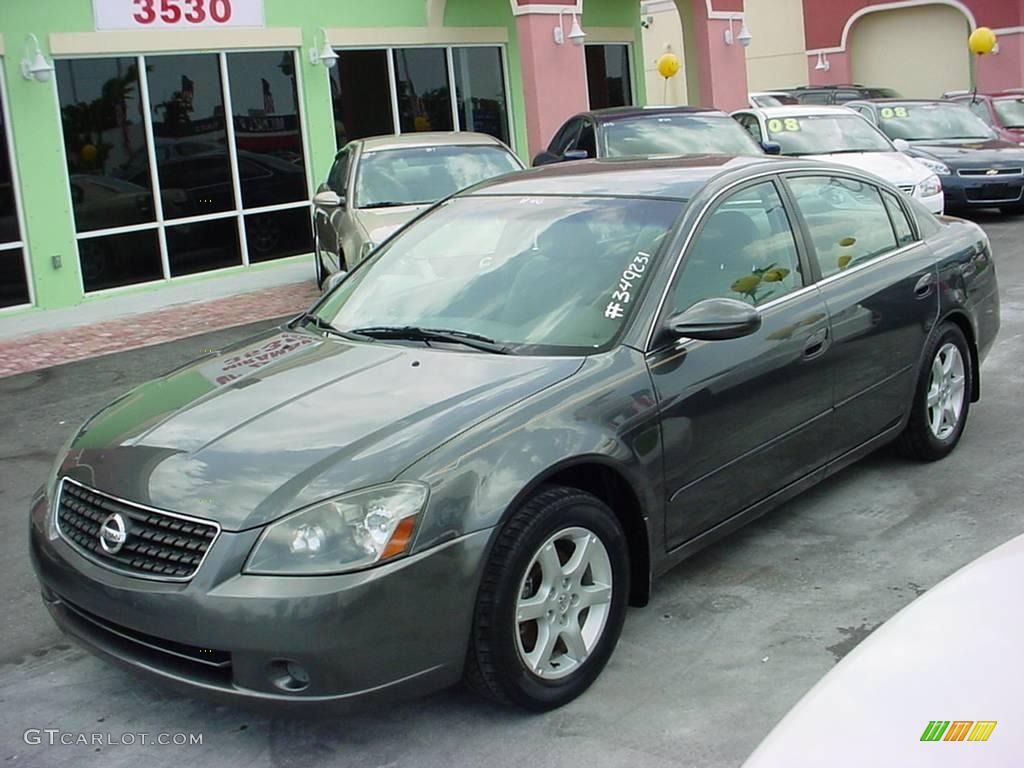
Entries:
{"x":389,"y":204}
{"x":448,"y":336}
{"x":308,"y":318}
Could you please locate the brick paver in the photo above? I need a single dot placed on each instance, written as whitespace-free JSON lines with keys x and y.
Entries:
{"x":43,"y":350}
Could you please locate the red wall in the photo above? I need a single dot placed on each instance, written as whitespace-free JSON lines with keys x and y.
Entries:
{"x":824,"y":19}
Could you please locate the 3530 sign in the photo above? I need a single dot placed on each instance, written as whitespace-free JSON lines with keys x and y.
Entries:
{"x":177,"y":14}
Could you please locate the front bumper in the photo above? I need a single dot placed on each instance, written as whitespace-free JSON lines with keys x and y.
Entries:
{"x":391,"y":632}
{"x":982,"y":191}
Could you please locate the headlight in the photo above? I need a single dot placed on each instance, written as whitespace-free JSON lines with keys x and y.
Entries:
{"x":344,"y":534}
{"x":930,"y":186}
{"x":934,"y":166}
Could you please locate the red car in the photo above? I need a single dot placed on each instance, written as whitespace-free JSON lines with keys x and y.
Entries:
{"x":1003,"y":111}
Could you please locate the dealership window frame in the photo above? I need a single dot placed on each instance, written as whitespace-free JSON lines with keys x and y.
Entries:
{"x":599,"y":41}
{"x":396,"y":118}
{"x":159,"y":223}
{"x":19,"y":210}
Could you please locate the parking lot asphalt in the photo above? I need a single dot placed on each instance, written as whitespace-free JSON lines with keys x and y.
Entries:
{"x":731,"y":640}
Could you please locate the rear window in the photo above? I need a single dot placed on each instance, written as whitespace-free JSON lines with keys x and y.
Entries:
{"x":677,"y":134}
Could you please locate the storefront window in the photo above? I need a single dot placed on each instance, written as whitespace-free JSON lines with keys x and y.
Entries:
{"x":209,"y":173}
{"x":480,"y":91}
{"x":365,"y":93}
{"x":608,"y":78}
{"x":424,"y":98}
{"x":361,"y":92}
{"x":13,"y":277}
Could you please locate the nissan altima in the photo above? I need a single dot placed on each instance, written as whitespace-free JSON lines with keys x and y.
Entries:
{"x":476,"y":450}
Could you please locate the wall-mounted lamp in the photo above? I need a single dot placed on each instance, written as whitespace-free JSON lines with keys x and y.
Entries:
{"x":743,"y":38}
{"x":823,"y":65}
{"x":576,"y":33}
{"x":646,"y":22}
{"x":323,"y":55}
{"x":35,"y":66}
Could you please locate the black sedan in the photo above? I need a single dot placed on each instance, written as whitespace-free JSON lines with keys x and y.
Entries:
{"x":648,"y":132}
{"x":977,"y":168}
{"x":485,"y":442}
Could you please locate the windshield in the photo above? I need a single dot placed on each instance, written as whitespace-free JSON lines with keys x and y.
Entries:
{"x":677,"y":135}
{"x":931,"y":120}
{"x":824,"y":134}
{"x":1010,"y":111}
{"x":535,"y":274}
{"x":420,"y":175}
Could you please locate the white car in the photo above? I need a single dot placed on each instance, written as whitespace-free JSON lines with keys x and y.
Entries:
{"x":840,"y":135}
{"x":939,"y":684}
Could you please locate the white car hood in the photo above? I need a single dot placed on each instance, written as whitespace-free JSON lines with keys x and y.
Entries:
{"x":953,"y":654}
{"x":895,"y":167}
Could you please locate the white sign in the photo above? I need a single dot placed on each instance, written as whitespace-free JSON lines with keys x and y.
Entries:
{"x":177,"y":14}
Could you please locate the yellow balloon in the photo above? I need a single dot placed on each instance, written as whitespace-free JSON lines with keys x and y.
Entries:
{"x":89,"y":152}
{"x":668,"y":65}
{"x":982,"y":41}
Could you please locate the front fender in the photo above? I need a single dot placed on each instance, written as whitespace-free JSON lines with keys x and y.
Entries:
{"x":605,"y":414}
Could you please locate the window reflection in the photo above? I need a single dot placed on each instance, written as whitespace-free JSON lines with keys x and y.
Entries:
{"x":203,"y":245}
{"x":13,"y":281}
{"x":361,"y":95}
{"x":276,"y":234}
{"x":114,"y":260}
{"x":268,"y":137}
{"x":187,"y":102}
{"x":424,"y":98}
{"x":608,"y":76}
{"x":105,"y":142}
{"x":480,"y":90}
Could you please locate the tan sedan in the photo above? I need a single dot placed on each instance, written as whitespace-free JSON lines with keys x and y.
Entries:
{"x":377,"y":184}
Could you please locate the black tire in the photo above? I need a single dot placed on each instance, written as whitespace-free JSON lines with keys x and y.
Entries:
{"x":918,"y":440}
{"x":318,"y":265}
{"x":494,"y":667}
{"x":1013,"y":210}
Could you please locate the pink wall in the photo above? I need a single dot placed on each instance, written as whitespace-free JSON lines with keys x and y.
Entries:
{"x":554,"y":77}
{"x":1005,"y":69}
{"x":722,"y":68}
{"x":839,"y":71}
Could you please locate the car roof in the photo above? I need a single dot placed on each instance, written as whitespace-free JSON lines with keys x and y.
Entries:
{"x":428,"y":139}
{"x":614,"y":113}
{"x":789,"y":110}
{"x":676,"y":178}
{"x":897,"y":100}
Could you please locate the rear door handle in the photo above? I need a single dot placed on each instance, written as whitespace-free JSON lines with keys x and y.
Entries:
{"x":923,"y":287}
{"x":816,"y":344}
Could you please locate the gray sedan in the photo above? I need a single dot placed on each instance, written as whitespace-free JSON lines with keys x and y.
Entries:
{"x":380,"y":183}
{"x":479,"y":447}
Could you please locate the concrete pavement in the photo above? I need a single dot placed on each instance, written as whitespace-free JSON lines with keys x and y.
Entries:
{"x":731,"y":640}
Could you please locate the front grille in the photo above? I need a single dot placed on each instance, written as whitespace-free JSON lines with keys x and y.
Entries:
{"x":157,"y":545}
{"x":986,"y":172}
{"x":993,"y":193}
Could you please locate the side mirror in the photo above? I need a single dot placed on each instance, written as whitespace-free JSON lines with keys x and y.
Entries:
{"x":901,"y":144}
{"x":545,"y":158}
{"x":771,"y":147}
{"x":328,"y":198}
{"x":575,"y":154}
{"x":715,"y":320}
{"x":334,"y":280}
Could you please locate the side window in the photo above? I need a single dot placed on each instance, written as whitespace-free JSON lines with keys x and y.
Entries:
{"x":841,"y":97}
{"x":865,"y":111}
{"x":566,"y":137}
{"x":815,"y":97}
{"x":744,"y":250}
{"x":587,"y":140}
{"x":900,"y":222}
{"x":980,"y":108}
{"x":846,"y":219}
{"x":752,"y":125}
{"x":338,"y":177}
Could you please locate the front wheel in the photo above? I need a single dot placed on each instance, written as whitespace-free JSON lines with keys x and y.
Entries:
{"x":942,"y":398}
{"x":552,"y":601}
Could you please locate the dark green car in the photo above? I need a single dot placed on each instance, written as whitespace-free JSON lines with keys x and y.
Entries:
{"x":486,"y":441}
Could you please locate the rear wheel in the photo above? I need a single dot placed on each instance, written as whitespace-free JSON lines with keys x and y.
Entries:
{"x":552,"y":601}
{"x":942,"y":398}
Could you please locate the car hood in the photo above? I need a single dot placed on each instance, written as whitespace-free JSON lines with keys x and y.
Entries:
{"x":953,"y":653}
{"x":380,"y":223}
{"x":992,"y":152}
{"x":290,"y":418}
{"x":895,"y":167}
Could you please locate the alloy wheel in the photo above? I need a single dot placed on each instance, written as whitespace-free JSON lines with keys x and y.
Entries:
{"x":946,"y":391}
{"x":563,"y":603}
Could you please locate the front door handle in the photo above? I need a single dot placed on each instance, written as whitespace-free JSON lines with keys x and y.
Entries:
{"x":816,"y":344}
{"x":923,"y":287}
